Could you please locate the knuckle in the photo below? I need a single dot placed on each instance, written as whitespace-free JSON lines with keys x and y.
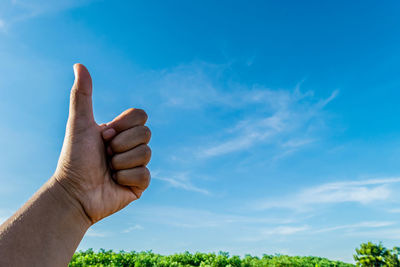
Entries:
{"x":74,"y":92}
{"x":115,"y":144}
{"x":115,"y":162}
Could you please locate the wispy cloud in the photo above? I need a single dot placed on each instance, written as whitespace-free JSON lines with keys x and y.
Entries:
{"x":363,"y":192}
{"x":286,"y":117}
{"x":15,"y":11}
{"x":284,"y":230}
{"x":391,"y":233}
{"x":179,"y":180}
{"x":192,"y":86}
{"x":396,"y":210}
{"x":95,"y":233}
{"x":295,"y":143}
{"x":263,"y":233}
{"x":133,"y":228}
{"x":367,"y":224}
{"x":279,"y":117}
{"x":278,"y":231}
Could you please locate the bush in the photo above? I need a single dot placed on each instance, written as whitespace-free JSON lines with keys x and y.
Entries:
{"x":186,"y":259}
{"x":376,"y":255}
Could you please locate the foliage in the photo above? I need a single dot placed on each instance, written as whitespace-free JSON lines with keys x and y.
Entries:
{"x":376,"y":255}
{"x":148,"y":259}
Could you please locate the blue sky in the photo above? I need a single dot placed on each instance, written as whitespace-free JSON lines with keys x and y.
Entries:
{"x":276,"y":124}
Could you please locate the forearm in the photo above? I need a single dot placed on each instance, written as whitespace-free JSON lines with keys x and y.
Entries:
{"x":45,"y":232}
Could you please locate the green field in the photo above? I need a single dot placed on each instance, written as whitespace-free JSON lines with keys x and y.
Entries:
{"x":110,"y":258}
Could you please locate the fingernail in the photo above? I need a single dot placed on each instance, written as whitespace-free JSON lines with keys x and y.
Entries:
{"x":109,"y":133}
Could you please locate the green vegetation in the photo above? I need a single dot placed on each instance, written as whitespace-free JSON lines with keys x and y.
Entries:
{"x":147,"y":259}
{"x":367,"y":255}
{"x":376,"y":255}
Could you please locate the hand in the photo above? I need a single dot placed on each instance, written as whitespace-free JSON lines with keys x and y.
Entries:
{"x":102,"y":166}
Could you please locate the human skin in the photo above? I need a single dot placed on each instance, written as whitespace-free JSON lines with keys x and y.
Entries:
{"x":101,"y":169}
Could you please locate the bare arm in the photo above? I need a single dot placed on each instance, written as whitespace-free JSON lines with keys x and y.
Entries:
{"x":45,"y":232}
{"x":100,"y":171}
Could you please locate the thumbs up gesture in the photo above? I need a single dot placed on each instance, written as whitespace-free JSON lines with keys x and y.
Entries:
{"x":102,"y":167}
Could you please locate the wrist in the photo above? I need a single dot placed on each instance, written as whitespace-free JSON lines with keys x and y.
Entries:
{"x":76,"y":213}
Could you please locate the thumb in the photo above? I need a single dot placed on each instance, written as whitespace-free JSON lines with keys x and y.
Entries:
{"x":81,"y":95}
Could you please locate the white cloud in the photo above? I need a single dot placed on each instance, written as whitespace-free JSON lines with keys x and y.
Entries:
{"x":297,"y":143}
{"x":368,"y":224}
{"x":378,"y":234}
{"x":285,"y":119}
{"x":273,"y":232}
{"x":324,"y":102}
{"x":363,"y":192}
{"x":133,"y":228}
{"x":15,"y":11}
{"x":396,"y":210}
{"x":95,"y":233}
{"x":262,"y":233}
{"x":191,"y":86}
{"x":284,"y":230}
{"x":285,"y":116}
{"x":179,"y":180}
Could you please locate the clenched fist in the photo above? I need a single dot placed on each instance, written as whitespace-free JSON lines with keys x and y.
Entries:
{"x":103,"y":167}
